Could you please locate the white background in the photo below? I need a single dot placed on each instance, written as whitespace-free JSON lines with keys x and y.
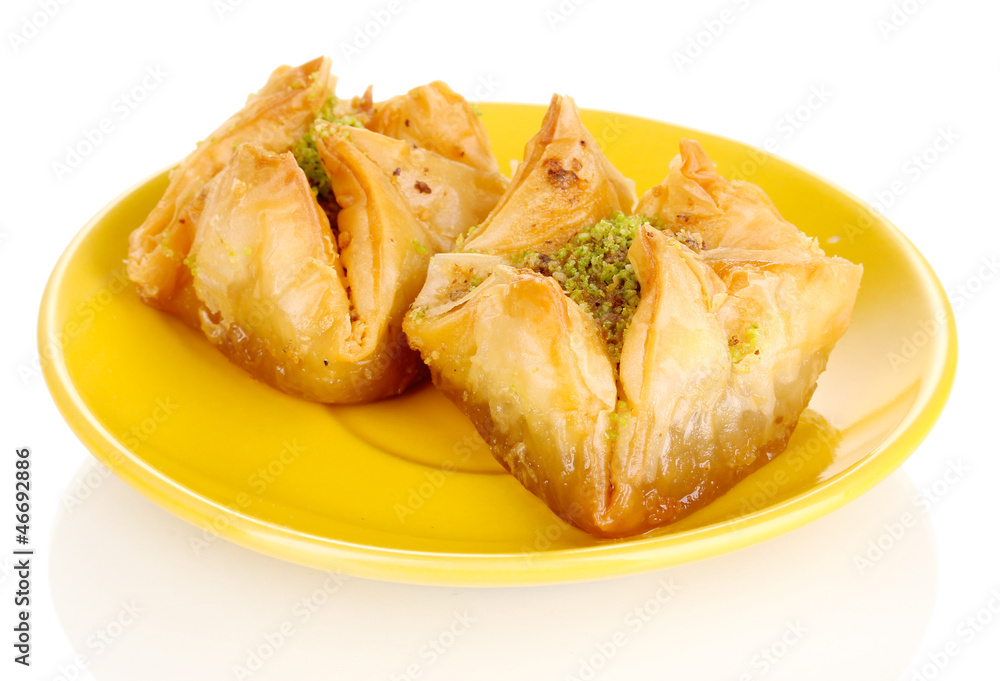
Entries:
{"x":892,"y":87}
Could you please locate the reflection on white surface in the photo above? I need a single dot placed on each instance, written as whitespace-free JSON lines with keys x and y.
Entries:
{"x":142,"y":594}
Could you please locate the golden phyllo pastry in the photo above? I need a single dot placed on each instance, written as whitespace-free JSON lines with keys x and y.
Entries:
{"x":436,"y":118}
{"x":296,"y":239}
{"x":312,"y":316}
{"x":564,"y":184}
{"x":273,"y":118}
{"x":447,"y":195}
{"x":632,"y":368}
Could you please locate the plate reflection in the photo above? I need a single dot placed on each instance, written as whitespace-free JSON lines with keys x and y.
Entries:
{"x":142,"y":594}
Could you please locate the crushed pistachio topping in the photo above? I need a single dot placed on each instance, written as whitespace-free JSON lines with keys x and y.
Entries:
{"x":419,"y":247}
{"x":463,"y":283}
{"x":618,"y":417}
{"x":691,"y":240}
{"x":462,"y":238}
{"x":594,"y":270}
{"x":749,"y":345}
{"x":308,"y":157}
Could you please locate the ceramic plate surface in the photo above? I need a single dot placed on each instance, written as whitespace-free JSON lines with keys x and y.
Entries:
{"x":404,"y":489}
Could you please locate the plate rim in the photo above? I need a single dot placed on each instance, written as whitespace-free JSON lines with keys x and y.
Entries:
{"x":615,"y":558}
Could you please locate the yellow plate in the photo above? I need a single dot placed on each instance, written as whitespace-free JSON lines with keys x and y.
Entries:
{"x":404,"y":489}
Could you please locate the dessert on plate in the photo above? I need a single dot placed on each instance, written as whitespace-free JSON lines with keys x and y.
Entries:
{"x":629,"y":367}
{"x":295,"y":239}
{"x":627,"y":359}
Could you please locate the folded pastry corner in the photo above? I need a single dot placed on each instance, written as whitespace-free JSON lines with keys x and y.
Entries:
{"x":295,"y":239}
{"x":436,"y":118}
{"x":647,"y":364}
{"x":529,"y":368}
{"x":564,"y":184}
{"x":312,"y":313}
{"x":737,"y":214}
{"x":448,"y":195}
{"x":273,"y":118}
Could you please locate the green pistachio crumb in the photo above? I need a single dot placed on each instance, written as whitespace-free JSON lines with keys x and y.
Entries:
{"x":462,"y":238}
{"x":350,"y":120}
{"x":191,"y":264}
{"x":594,"y":270}
{"x":419,"y":247}
{"x":739,"y":348}
{"x":307,"y":156}
{"x":617,"y":417}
